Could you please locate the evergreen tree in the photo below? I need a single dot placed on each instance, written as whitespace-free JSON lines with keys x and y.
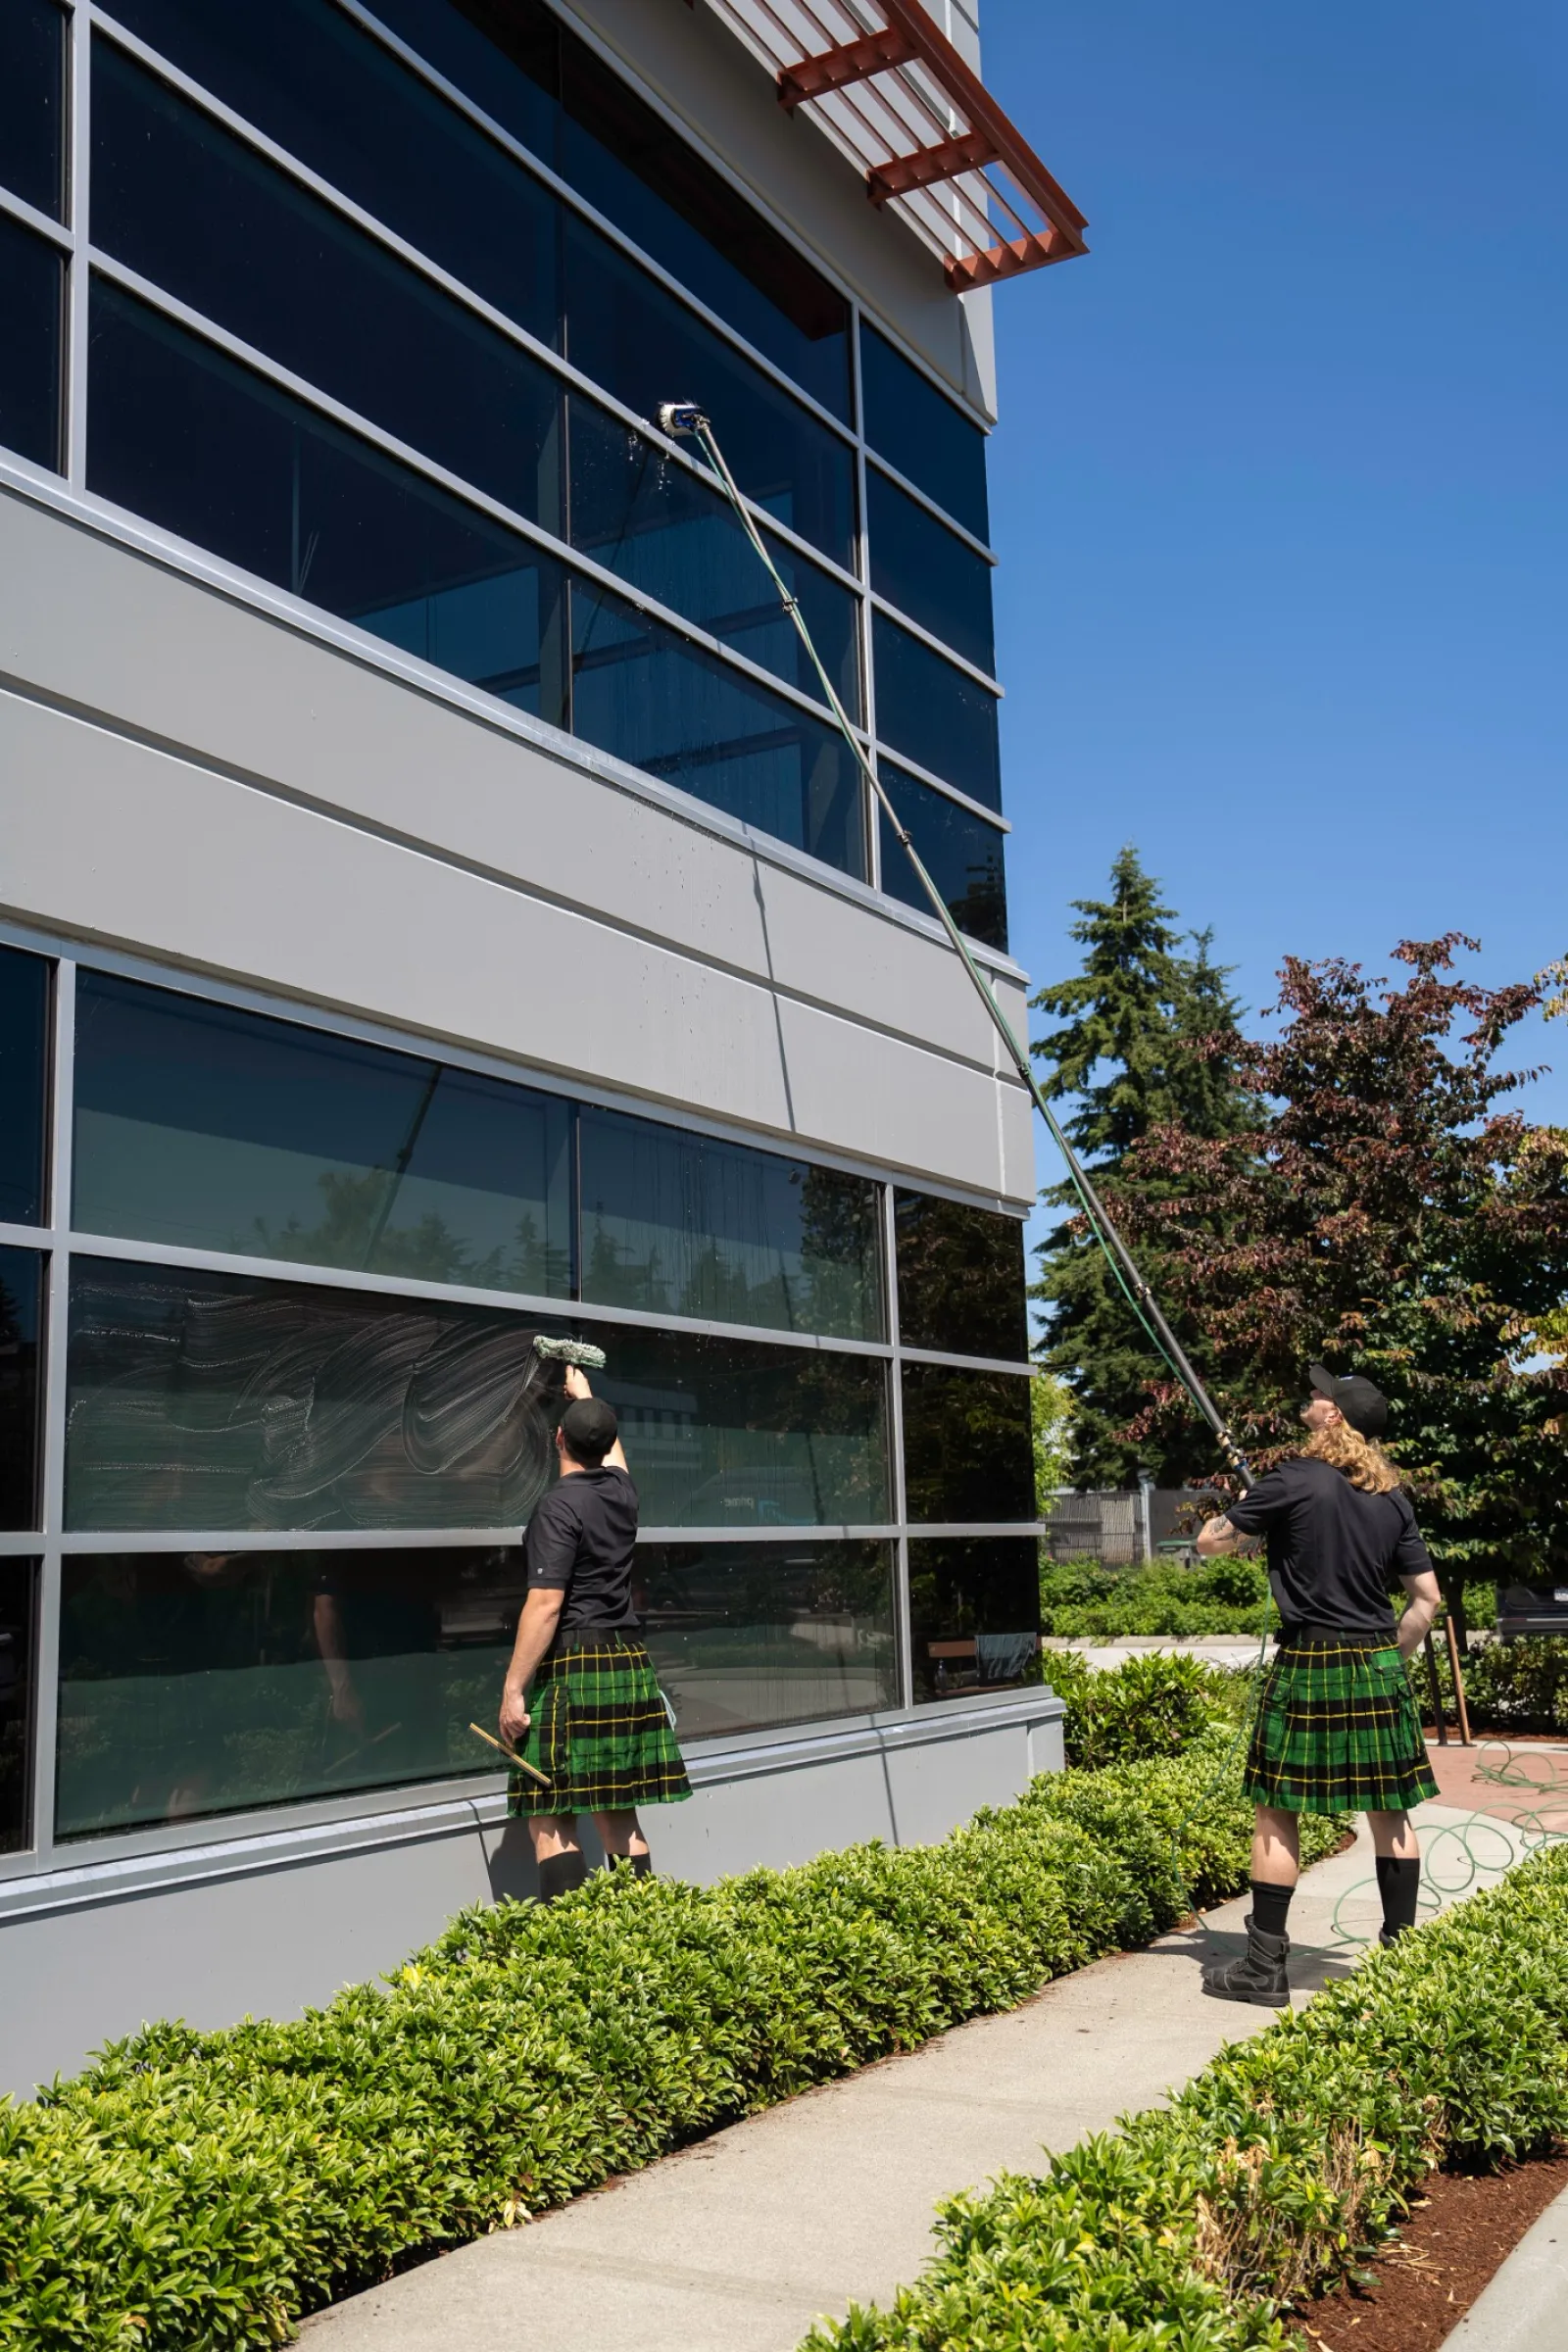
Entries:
{"x":1130,"y":1056}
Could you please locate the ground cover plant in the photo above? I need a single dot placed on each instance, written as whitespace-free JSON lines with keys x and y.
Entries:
{"x":1207,"y":2224}
{"x":206,"y":2189}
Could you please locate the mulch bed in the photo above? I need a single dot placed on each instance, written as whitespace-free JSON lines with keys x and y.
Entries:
{"x":1456,"y":2238}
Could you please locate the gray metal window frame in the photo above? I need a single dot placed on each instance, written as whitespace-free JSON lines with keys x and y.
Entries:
{"x":58,"y":1241}
{"x":86,"y":258}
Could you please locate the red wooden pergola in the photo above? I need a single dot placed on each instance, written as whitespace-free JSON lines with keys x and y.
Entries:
{"x":893,"y":93}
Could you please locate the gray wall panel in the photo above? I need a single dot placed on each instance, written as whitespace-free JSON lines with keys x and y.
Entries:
{"x":398,"y":858}
{"x":132,"y":846}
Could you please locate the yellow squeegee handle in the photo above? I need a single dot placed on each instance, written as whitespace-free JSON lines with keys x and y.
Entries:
{"x":521,"y":1762}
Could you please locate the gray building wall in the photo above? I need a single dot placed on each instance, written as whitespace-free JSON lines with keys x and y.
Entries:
{"x":199,"y":772}
{"x":185,"y":774}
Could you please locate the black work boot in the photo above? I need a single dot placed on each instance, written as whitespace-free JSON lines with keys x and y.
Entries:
{"x":1259,"y":1976}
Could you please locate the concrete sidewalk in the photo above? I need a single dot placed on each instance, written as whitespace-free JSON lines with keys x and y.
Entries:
{"x":738,"y":2243}
{"x":1523,"y":2309}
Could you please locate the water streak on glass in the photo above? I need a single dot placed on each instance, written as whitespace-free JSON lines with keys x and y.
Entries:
{"x":200,"y":1401}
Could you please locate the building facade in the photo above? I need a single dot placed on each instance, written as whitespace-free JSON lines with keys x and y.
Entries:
{"x":435,"y":909}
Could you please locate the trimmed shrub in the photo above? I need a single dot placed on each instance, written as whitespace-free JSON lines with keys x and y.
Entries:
{"x":1280,"y":2167}
{"x":1517,"y":1685}
{"x":206,"y":2189}
{"x":1090,"y":1597}
{"x":1152,"y":1705}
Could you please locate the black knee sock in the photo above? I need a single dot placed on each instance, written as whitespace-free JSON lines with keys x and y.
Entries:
{"x":641,"y":1866}
{"x":558,"y":1873}
{"x":1270,"y":1907}
{"x":1399,"y":1885}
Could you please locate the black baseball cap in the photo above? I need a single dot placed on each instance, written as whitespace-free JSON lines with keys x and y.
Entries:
{"x":1364,"y":1406}
{"x":590,"y":1429}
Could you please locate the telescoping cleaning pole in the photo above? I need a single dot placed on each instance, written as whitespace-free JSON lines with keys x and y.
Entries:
{"x":682,"y":418}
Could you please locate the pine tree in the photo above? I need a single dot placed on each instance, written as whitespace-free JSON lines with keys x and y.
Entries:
{"x":1130,"y":1056}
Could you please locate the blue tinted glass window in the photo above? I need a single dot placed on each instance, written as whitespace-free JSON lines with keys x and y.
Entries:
{"x":974,"y":1615}
{"x":745,"y":1637}
{"x":929,"y":573}
{"x":959,"y":851}
{"x":32,"y":280}
{"x":19,"y":1587}
{"x":220,"y":1401}
{"x":685,"y":1225}
{"x":922,"y":433}
{"x":32,"y":103}
{"x":200,"y":1683}
{"x":339,"y":100}
{"x":208,"y":448}
{"x":969,"y":1445}
{"x":176,"y":197}
{"x":645,"y":347}
{"x":653,"y":523}
{"x":962,"y":1281}
{"x":934,"y":714}
{"x":518,"y":62}
{"x":204,"y":1125}
{"x":20,"y":1315}
{"x":664,"y":705}
{"x":23,"y":1085}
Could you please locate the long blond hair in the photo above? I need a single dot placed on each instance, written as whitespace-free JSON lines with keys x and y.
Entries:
{"x":1363,"y":1462}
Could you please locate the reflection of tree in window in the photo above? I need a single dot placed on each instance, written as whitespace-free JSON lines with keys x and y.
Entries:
{"x":961,"y":1278}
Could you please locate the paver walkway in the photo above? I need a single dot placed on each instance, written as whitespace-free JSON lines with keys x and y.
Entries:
{"x":738,"y":2243}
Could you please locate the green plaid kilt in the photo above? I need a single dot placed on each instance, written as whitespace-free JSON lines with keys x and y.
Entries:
{"x":600,"y":1731}
{"x":1337,"y":1729}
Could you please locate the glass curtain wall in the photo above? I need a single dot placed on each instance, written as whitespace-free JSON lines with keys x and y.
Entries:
{"x":268,"y":1507}
{"x":423,"y":402}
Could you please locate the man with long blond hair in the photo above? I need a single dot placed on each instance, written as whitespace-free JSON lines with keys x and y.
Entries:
{"x":1337,"y":1729}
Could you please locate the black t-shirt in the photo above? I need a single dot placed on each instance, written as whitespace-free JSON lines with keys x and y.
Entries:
{"x":580,"y":1541}
{"x":1333,"y":1550}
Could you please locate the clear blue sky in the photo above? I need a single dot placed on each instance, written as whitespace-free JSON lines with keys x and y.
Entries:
{"x":1281,"y":486}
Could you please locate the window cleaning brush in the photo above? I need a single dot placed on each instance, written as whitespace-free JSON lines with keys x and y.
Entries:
{"x":683,"y":418}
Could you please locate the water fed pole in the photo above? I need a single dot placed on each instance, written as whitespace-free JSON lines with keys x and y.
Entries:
{"x":682,"y":419}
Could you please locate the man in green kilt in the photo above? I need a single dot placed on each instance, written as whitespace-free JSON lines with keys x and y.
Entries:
{"x":1337,"y":1728}
{"x":594,"y":1721}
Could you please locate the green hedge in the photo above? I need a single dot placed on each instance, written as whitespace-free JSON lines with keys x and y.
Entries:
{"x":1154,"y":1704}
{"x":1279,"y":2167}
{"x":1510,"y":1686}
{"x":1091,"y":1597}
{"x":206,"y":2188}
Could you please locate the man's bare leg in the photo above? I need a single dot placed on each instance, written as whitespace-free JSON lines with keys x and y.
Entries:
{"x":1276,"y":1847}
